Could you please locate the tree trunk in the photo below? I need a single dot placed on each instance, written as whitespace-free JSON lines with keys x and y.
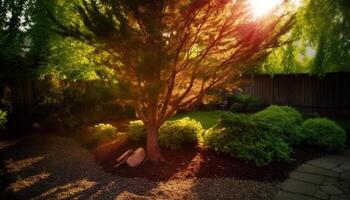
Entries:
{"x":153,"y":150}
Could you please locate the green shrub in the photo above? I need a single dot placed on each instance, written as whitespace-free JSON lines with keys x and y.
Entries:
{"x":136,"y":130}
{"x":3,"y":119}
{"x":284,"y":121}
{"x":173,"y":134}
{"x":105,"y":132}
{"x":324,"y":133}
{"x":242,"y":103}
{"x":246,"y":138}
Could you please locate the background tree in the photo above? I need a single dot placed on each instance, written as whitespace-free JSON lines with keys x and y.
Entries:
{"x":320,"y":38}
{"x":168,"y":54}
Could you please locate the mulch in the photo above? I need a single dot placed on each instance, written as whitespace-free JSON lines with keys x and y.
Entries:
{"x":193,"y":162}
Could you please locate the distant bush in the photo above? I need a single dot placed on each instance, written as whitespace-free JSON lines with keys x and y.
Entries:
{"x":242,"y":103}
{"x":173,"y":134}
{"x":246,"y":138}
{"x":3,"y":119}
{"x":136,"y":130}
{"x":283,"y":121}
{"x":105,"y":132}
{"x":324,"y":133}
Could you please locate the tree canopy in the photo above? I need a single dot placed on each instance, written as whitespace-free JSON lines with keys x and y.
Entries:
{"x":168,"y":54}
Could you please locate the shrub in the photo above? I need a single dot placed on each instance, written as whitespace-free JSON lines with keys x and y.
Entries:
{"x":173,"y":134}
{"x":324,"y":133}
{"x":3,"y":119}
{"x":283,"y":121}
{"x":242,"y":103}
{"x":246,"y":138}
{"x":136,"y":130}
{"x":105,"y":132}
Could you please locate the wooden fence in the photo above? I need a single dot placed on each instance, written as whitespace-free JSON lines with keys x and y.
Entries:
{"x":329,"y":95}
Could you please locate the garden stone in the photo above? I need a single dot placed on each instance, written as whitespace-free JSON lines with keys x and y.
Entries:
{"x":331,"y":189}
{"x":330,"y":181}
{"x":345,"y":176}
{"x":345,"y":166}
{"x":337,"y":169}
{"x":317,"y":170}
{"x":328,"y":162}
{"x":321,"y":195}
{"x":301,"y":187}
{"x":310,"y":178}
{"x":345,"y":186}
{"x":341,"y":197}
{"x":136,"y":158}
{"x":292,"y":196}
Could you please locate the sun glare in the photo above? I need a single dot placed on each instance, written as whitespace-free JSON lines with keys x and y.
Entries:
{"x":263,"y":7}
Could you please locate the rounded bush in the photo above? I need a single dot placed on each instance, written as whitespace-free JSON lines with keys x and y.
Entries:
{"x":136,"y":130}
{"x":104,"y":132}
{"x":173,"y":134}
{"x":284,"y":121}
{"x":324,"y":133}
{"x":246,"y":138}
{"x":242,"y":103}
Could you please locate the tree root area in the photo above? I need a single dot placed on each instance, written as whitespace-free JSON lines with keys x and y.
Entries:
{"x":193,"y":162}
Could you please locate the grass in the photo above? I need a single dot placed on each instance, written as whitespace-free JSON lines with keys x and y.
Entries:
{"x":207,"y":119}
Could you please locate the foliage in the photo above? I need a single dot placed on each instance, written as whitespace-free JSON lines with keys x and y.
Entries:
{"x":247,"y":138}
{"x":324,"y":133}
{"x":105,"y":129}
{"x":136,"y":130}
{"x":3,"y":119}
{"x":105,"y":132}
{"x":319,"y":40}
{"x":207,"y":119}
{"x":173,"y":134}
{"x":283,"y":121}
{"x":168,"y":54}
{"x":242,"y":103}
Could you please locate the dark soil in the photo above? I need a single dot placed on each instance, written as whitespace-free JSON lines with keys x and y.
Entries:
{"x":192,"y":162}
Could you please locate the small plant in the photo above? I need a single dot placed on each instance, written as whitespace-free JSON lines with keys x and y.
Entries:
{"x":242,"y":103}
{"x":136,"y":130}
{"x":3,"y":119}
{"x":246,"y":138}
{"x":284,"y":121}
{"x":105,"y":132}
{"x":173,"y":134}
{"x":324,"y":133}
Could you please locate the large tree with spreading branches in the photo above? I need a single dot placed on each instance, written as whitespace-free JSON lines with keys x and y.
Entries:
{"x":167,"y":54}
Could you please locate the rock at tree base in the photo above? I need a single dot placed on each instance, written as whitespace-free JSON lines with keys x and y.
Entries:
{"x":136,"y":158}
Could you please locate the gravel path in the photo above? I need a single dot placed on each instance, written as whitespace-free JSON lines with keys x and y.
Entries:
{"x":49,"y":167}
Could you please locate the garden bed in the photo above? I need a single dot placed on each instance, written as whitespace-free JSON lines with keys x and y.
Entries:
{"x":192,"y":162}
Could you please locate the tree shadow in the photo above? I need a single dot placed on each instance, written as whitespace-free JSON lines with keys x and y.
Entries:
{"x":41,"y":167}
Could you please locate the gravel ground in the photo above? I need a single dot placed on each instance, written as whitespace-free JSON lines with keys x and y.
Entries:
{"x":50,"y":167}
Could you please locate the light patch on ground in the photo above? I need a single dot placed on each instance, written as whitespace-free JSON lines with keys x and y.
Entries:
{"x":67,"y":191}
{"x":5,"y":144}
{"x":18,"y":166}
{"x":27,"y":182}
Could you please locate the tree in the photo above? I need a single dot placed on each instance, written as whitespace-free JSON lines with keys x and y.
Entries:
{"x":167,"y":54}
{"x":320,"y":40}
